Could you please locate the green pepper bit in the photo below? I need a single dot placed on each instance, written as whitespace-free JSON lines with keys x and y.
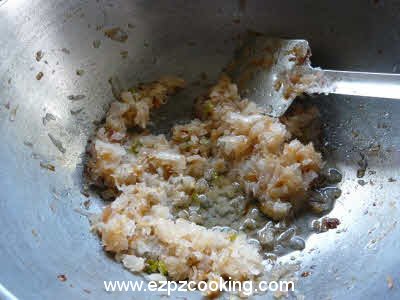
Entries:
{"x":162,"y":268}
{"x":204,"y":141}
{"x":214,"y":176}
{"x":156,"y":266}
{"x":135,"y":147}
{"x":208,"y":107}
{"x":195,"y":198}
{"x":152,"y":266}
{"x":132,"y":90}
{"x":233,"y":237}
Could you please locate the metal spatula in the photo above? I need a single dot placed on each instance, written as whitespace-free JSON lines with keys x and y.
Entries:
{"x":272,"y":72}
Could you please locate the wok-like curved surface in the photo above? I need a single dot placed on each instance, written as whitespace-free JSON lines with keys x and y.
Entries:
{"x":43,"y":232}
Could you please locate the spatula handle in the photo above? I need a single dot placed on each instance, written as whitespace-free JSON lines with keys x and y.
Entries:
{"x":381,"y":85}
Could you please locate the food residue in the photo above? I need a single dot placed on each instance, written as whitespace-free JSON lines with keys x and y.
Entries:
{"x":57,"y":143}
{"x":47,"y":118}
{"x":330,"y":223}
{"x":362,"y":166}
{"x":124,"y":54}
{"x":76,"y":97}
{"x":305,"y":274}
{"x":76,"y":111}
{"x":389,"y":280}
{"x":39,"y":75}
{"x":65,"y":50}
{"x":47,"y":166}
{"x":116,"y":34}
{"x":86,"y":204}
{"x":28,"y":144}
{"x":13,"y":113}
{"x":62,"y":277}
{"x":39,"y":55}
{"x":361,"y":182}
{"x":96,"y":44}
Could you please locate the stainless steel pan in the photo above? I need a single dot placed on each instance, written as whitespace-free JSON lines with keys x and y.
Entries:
{"x":43,"y":234}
